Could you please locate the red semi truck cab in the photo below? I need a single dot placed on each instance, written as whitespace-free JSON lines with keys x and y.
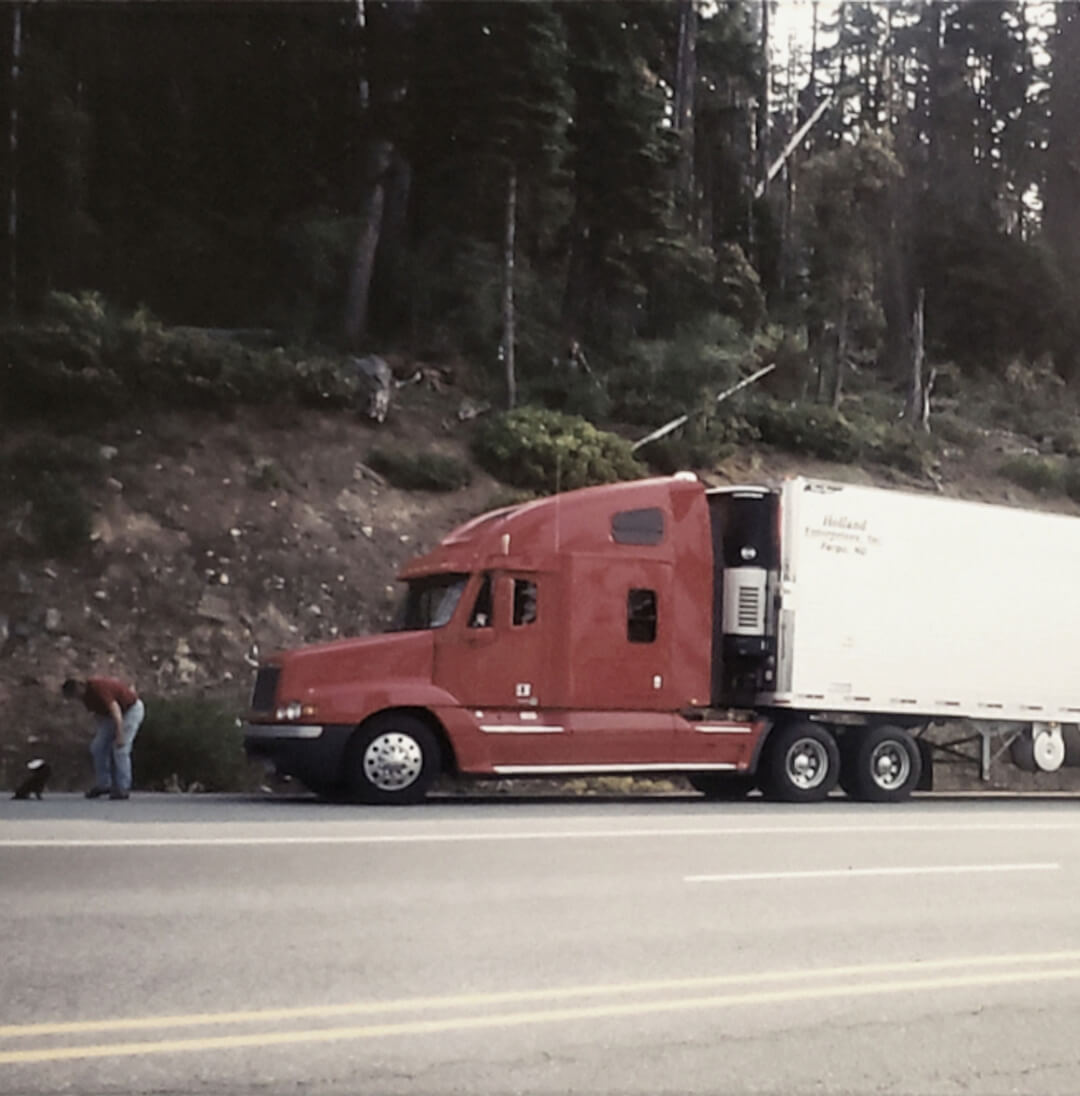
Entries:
{"x":606,"y":630}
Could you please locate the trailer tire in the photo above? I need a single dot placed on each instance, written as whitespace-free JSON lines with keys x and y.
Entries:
{"x":393,"y":759}
{"x":722,"y":785}
{"x":886,"y":765}
{"x":802,"y":763}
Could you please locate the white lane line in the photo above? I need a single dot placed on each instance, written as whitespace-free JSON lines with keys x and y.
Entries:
{"x":850,"y":873}
{"x":855,"y":827}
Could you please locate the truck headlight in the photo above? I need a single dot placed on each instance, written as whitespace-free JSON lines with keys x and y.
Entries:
{"x":289,"y":712}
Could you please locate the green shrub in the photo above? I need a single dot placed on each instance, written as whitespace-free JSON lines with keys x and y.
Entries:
{"x":1070,"y":479}
{"x":897,"y":446}
{"x":701,"y":443}
{"x":60,"y":518}
{"x":739,"y":287}
{"x":787,"y":351}
{"x":575,"y":393}
{"x":1034,"y":473}
{"x":808,"y":428}
{"x":955,"y":430}
{"x":52,"y":475}
{"x":547,"y":451}
{"x":662,"y":378}
{"x":190,"y":744}
{"x":456,"y":282}
{"x":679,"y":453}
{"x":1066,"y":442}
{"x":265,"y":475}
{"x":507,"y":496}
{"x":48,"y":455}
{"x":1029,"y":414}
{"x":420,"y":471}
{"x":83,"y":357}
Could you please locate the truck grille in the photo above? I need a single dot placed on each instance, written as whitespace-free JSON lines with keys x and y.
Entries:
{"x":748,"y":608}
{"x":266,"y":680}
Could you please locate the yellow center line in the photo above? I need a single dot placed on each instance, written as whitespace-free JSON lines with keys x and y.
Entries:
{"x":543,"y":1016}
{"x":483,"y":1000}
{"x":505,"y":997}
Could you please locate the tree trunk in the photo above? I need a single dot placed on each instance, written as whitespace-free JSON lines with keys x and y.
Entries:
{"x":933,"y":96}
{"x":358,"y":294}
{"x":761,"y":120}
{"x":812,"y":83}
{"x":685,"y":83}
{"x":840,"y":86}
{"x":1020,"y":213}
{"x":917,"y":408}
{"x":13,"y":161}
{"x":1062,"y":219}
{"x":815,"y":350}
{"x":788,"y":258}
{"x":928,"y":389}
{"x":507,"y":349}
{"x":897,"y":288}
{"x":384,"y":174}
{"x":841,"y":347}
{"x":391,"y":301}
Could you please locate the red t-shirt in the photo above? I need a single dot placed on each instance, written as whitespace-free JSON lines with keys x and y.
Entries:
{"x":101,"y":691}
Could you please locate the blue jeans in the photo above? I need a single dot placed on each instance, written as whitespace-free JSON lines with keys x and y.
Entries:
{"x":112,"y":763}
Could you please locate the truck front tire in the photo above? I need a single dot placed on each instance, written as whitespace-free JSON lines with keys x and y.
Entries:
{"x":883,"y":766}
{"x":801,"y":764}
{"x":394,"y":759}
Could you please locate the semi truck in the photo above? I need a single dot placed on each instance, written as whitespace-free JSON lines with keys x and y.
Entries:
{"x":793,"y":638}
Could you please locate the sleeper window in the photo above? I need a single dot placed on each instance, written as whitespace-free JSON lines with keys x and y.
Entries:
{"x":638,"y":527}
{"x":641,"y":616}
{"x":524,"y":601}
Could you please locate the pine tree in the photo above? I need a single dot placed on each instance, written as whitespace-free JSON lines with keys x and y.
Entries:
{"x":622,"y":157}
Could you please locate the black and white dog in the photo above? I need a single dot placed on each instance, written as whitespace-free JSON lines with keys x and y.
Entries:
{"x":35,"y":780}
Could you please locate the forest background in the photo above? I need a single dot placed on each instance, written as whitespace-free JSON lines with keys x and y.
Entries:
{"x":612,"y":210}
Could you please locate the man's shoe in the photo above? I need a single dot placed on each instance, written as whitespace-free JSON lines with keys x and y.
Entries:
{"x":119,"y":795}
{"x":96,"y":793}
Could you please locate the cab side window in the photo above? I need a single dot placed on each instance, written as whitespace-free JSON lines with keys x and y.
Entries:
{"x":641,"y":616}
{"x":524,"y":601}
{"x":482,"y":614}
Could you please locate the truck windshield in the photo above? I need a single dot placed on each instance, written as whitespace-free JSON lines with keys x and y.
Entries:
{"x":429,"y":603}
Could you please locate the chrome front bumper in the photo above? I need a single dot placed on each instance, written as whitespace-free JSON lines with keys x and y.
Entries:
{"x":279,"y":731}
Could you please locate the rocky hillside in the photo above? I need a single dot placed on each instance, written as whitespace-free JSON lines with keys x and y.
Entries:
{"x":216,"y":538}
{"x":213,"y":540}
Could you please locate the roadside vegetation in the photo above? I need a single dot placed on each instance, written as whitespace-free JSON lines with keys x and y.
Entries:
{"x":192,"y":743}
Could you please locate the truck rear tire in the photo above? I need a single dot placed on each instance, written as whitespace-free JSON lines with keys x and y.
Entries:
{"x":802,"y":763}
{"x":722,"y":785}
{"x":884,"y":765}
{"x":394,"y":759}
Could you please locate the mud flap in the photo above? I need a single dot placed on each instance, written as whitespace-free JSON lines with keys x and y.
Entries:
{"x":926,"y":777}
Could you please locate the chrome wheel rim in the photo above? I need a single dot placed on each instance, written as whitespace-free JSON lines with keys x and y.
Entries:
{"x":890,"y":765}
{"x":806,"y":763}
{"x":393,"y":761}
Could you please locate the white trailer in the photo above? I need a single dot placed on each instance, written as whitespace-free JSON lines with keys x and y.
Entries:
{"x":889,"y":605}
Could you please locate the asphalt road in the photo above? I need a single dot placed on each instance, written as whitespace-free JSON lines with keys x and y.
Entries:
{"x":210,"y":945}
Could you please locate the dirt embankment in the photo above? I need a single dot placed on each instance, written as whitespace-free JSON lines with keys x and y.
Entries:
{"x":216,"y":539}
{"x":212,"y":541}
